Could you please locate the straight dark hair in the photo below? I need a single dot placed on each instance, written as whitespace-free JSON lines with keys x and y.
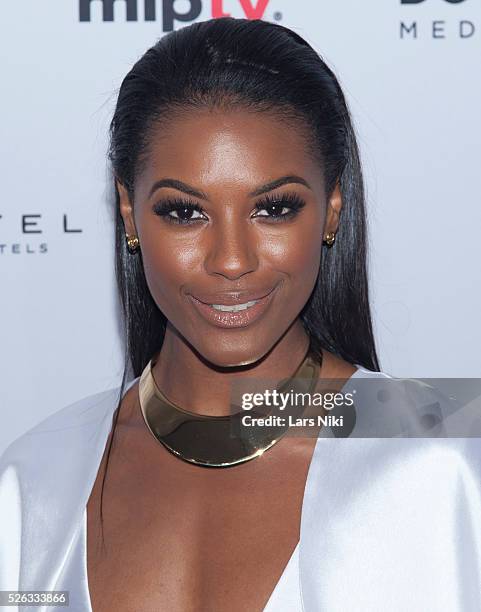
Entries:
{"x":230,"y":63}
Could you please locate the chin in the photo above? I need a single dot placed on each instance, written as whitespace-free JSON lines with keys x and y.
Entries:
{"x":230,"y":354}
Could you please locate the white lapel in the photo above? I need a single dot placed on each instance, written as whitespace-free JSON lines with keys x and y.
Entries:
{"x":46,"y":477}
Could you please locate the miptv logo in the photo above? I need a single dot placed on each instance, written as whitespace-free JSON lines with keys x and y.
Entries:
{"x":164,"y":9}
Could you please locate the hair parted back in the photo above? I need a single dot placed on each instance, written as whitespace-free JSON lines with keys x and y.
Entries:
{"x":228,"y":63}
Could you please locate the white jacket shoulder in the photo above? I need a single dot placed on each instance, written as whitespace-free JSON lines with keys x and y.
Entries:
{"x":56,"y":430}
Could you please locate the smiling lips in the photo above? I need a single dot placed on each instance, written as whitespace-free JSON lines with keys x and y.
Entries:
{"x":235,"y":309}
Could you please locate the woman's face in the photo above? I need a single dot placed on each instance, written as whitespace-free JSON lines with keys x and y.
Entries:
{"x":230,"y":213}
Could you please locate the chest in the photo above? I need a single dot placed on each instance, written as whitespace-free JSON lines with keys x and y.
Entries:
{"x":180,"y":537}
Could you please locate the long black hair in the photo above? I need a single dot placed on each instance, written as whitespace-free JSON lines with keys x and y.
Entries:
{"x":264,"y":67}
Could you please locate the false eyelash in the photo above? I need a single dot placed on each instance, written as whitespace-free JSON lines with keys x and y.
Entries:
{"x":289,"y":200}
{"x":163,"y":209}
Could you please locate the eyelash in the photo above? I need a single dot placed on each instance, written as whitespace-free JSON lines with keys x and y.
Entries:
{"x":288,"y":200}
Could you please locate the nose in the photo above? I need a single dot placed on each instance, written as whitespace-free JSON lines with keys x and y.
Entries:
{"x":232,"y":249}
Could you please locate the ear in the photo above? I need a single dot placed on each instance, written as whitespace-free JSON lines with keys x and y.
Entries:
{"x":126,"y":209}
{"x":333,"y":211}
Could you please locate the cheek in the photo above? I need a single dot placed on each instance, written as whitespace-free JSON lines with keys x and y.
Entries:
{"x":296,"y":253}
{"x":169,"y":260}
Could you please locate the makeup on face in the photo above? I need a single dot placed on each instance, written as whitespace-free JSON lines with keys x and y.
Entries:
{"x":229,"y":210}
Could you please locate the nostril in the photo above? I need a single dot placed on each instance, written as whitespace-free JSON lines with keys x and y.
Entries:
{"x":231,"y":263}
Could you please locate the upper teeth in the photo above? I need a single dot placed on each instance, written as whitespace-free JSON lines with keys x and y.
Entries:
{"x":236,"y":307}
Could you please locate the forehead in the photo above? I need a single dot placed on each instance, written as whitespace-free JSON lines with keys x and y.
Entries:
{"x":228,"y":150}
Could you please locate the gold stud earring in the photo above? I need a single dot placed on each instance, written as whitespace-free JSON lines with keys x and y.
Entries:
{"x":132,"y":243}
{"x":330,"y":238}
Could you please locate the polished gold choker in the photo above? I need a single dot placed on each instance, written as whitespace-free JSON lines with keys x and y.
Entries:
{"x":221,"y":441}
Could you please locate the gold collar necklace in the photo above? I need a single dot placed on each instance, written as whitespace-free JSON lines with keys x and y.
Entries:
{"x":208,"y":441}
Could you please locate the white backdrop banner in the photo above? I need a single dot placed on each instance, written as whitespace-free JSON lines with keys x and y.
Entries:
{"x":410,"y":70}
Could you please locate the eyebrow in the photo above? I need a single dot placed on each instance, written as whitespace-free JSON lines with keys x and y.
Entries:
{"x":188,"y":189}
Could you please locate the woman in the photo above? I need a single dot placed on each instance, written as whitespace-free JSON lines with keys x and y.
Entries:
{"x":241,"y":256}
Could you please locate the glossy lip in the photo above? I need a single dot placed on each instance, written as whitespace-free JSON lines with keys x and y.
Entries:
{"x":243,"y":318}
{"x":231,"y":298}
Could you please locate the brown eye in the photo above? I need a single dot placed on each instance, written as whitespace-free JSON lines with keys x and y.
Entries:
{"x":280,"y":208}
{"x":275,"y":210}
{"x":181,"y":212}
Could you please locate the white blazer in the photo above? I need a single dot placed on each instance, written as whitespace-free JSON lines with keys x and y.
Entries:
{"x":387,"y":523}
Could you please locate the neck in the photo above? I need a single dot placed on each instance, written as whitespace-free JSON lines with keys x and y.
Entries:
{"x":208,"y":389}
